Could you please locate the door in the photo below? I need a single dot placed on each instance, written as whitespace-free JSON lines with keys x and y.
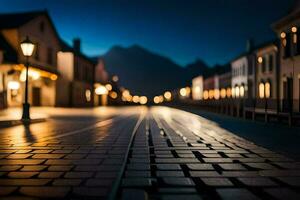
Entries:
{"x":36,"y":96}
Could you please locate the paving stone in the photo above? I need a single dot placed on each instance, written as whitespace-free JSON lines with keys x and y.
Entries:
{"x":9,"y":168}
{"x":283,"y":193}
{"x":138,"y":166}
{"x":78,"y":174}
{"x":261,"y":165}
{"x":240,"y":174}
{"x":60,"y":168}
{"x":99,"y":182}
{"x":217,"y":182}
{"x":129,"y":194}
{"x":18,"y":156}
{"x":204,"y":174}
{"x":45,"y":191}
{"x":236,"y":193}
{"x":107,"y":174}
{"x":21,"y":174}
{"x":275,"y":173}
{"x":168,"y":166}
{"x":169,"y":173}
{"x":50,"y":174}
{"x":179,"y":190}
{"x":136,"y":182}
{"x":181,"y":197}
{"x":42,"y":151}
{"x":138,"y":174}
{"x":36,"y":168}
{"x":179,"y":181}
{"x":201,"y":166}
{"x":10,"y":181}
{"x":217,"y":160}
{"x":63,"y":151}
{"x":21,"y":161}
{"x":232,"y":166}
{"x":7,"y":190}
{"x":67,"y":182}
{"x":176,"y":160}
{"x":292,"y":181}
{"x":257,"y":181}
{"x":288,"y":165}
{"x":48,"y":156}
{"x":212,"y":155}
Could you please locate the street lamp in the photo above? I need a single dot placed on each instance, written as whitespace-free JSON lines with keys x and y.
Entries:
{"x":27,"y":49}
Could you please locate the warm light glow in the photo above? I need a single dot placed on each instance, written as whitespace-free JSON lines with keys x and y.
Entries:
{"x":88,"y":95}
{"x":242,"y":91}
{"x":205,"y":94}
{"x":259,"y":59}
{"x":294,"y":29}
{"x":27,"y":47}
{"x":216,"y":94}
{"x":211,"y":94}
{"x":233,"y":92}
{"x":161,"y":98}
{"x":113,"y":95}
{"x":125,"y":93}
{"x":294,"y":38}
{"x":108,"y":87}
{"x":168,"y":95}
{"x":237,"y":92}
{"x":188,"y":91}
{"x":282,"y":35}
{"x":228,"y":92}
{"x":101,"y":90}
{"x":13,"y":85}
{"x":115,"y":78}
{"x":223,"y":93}
{"x":143,"y":100}
{"x":53,"y":77}
{"x":183,"y":92}
{"x":261,"y":90}
{"x":128,"y":98}
{"x":267,"y":90}
{"x":156,"y":100}
{"x":31,"y":74}
{"x":136,"y":99}
{"x":196,"y":93}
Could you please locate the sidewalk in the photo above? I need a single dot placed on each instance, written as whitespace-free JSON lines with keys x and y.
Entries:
{"x":12,"y":116}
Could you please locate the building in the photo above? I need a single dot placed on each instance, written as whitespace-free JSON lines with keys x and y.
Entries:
{"x":14,"y":28}
{"x":75,"y":86}
{"x":211,"y":88}
{"x":225,"y":85}
{"x":267,"y":71}
{"x":243,"y":74}
{"x":197,"y":88}
{"x":288,"y":31}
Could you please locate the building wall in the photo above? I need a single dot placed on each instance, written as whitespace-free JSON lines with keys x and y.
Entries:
{"x":267,"y":69}
{"x":239,"y":69}
{"x":197,"y":88}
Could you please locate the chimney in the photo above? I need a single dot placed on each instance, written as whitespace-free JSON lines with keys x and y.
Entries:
{"x":249,"y":45}
{"x":76,"y":45}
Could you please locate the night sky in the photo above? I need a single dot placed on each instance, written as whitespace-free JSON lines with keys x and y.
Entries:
{"x":212,"y":30}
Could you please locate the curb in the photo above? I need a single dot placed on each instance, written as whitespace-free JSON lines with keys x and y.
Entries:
{"x":10,"y":123}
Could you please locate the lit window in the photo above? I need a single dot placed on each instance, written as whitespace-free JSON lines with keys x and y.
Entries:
{"x":237,"y":92}
{"x":242,"y":91}
{"x":216,"y":94}
{"x":267,"y":90}
{"x":205,"y":94}
{"x":261,"y":90}
{"x":223,"y":93}
{"x":88,"y":95}
{"x":228,"y":92}
{"x":211,"y":94}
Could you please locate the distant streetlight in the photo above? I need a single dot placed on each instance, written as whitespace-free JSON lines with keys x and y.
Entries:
{"x":27,"y":48}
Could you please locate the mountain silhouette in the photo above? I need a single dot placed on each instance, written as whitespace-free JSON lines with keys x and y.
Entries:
{"x":146,"y":73}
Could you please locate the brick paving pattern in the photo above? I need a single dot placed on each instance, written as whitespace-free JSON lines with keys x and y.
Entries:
{"x":174,"y":155}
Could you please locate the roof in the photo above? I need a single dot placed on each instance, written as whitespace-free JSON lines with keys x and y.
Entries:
{"x":293,"y":14}
{"x":9,"y":53}
{"x":14,"y":20}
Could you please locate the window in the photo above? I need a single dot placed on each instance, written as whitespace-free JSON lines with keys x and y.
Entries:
{"x":49,"y":55}
{"x":261,"y":90}
{"x":263,"y":65}
{"x":37,"y":53}
{"x":267,"y":90}
{"x":271,"y":62}
{"x":42,"y":27}
{"x":287,"y":46}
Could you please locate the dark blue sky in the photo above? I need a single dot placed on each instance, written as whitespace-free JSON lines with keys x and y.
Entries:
{"x":212,"y":30}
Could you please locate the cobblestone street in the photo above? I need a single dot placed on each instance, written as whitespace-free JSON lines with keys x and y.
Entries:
{"x":140,"y":153}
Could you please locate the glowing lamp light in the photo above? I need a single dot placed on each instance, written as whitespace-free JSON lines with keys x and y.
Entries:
{"x":223,"y":93}
{"x":168,"y":95}
{"x":211,"y":94}
{"x":115,"y":78}
{"x":242,"y":91}
{"x":205,"y":94}
{"x":216,"y":94}
{"x":143,"y":100}
{"x":108,"y":87}
{"x":183,"y":92}
{"x":27,"y":47}
{"x":113,"y":95}
{"x":136,"y":99}
{"x":282,"y":35}
{"x":161,"y":99}
{"x":88,"y":95}
{"x":53,"y":77}
{"x":101,"y":90}
{"x":294,"y":29}
{"x":259,"y":59}
{"x":13,"y":85}
{"x":228,"y":92}
{"x":125,"y":93}
{"x":156,"y":100}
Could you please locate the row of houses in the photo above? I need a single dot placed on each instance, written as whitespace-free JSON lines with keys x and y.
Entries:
{"x":59,"y":74}
{"x":265,"y":77}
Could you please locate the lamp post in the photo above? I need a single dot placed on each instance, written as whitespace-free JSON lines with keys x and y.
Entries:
{"x":27,"y":49}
